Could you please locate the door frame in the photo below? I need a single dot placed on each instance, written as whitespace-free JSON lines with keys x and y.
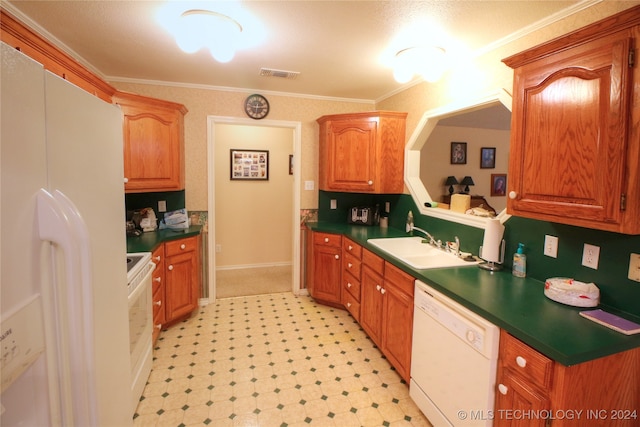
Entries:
{"x":212,"y":121}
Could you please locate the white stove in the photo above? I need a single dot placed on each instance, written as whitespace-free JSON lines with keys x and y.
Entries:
{"x":139,"y":270}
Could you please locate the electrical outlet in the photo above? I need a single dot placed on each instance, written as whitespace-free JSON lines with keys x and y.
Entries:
{"x":162,"y":206}
{"x":387,"y":207}
{"x":309,"y":185}
{"x":634,"y":267}
{"x":334,"y":204}
{"x":551,"y":246}
{"x":590,"y":256}
{"x":218,"y":248}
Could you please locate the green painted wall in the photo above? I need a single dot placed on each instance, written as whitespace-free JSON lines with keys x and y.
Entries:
{"x":616,"y":289}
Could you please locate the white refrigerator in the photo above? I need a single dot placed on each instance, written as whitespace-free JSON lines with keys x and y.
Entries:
{"x":63,"y":297}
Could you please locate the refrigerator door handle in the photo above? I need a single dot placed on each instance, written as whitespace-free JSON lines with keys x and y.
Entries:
{"x":60,"y":222}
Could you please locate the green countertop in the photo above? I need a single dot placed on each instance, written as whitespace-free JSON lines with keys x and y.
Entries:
{"x":147,"y":242}
{"x":517,"y":305}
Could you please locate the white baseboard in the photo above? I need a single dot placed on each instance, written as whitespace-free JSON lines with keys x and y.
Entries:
{"x":245,"y":266}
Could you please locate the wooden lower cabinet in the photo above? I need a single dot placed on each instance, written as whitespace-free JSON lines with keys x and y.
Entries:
{"x":535,"y":391}
{"x":182,"y":277}
{"x":325,"y":270}
{"x":386,"y":310}
{"x":157,"y":281}
{"x":351,"y":273}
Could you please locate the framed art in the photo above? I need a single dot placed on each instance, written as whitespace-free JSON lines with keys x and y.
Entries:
{"x":249,"y":164}
{"x":290,"y":164}
{"x":498,"y":184}
{"x":487,"y":158}
{"x":458,"y":153}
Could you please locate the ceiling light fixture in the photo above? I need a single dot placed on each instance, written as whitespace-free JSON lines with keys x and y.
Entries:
{"x":222,"y":27}
{"x":429,"y":62}
{"x":213,"y":30}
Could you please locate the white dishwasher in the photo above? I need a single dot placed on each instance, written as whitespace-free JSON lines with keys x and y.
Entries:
{"x":453,"y":363}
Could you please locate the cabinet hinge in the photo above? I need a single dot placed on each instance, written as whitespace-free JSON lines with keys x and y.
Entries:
{"x":632,"y":58}
{"x":623,"y":202}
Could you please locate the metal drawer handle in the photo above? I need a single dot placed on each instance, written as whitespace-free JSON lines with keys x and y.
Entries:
{"x":350,"y":265}
{"x":503,"y":389}
{"x":326,"y":240}
{"x":349,"y":304}
{"x":158,"y":326}
{"x":182,"y":246}
{"x":513,"y":195}
{"x":170,"y":267}
{"x":156,"y":258}
{"x":350,"y":247}
{"x":158,"y":303}
{"x":378,"y":287}
{"x":383,"y":291}
{"x":370,"y":182}
{"x":337,"y":256}
{"x":348,"y":284}
{"x":521,"y":361}
{"x":157,"y":279}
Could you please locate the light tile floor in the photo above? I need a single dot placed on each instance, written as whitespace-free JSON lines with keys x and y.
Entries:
{"x":272,"y":360}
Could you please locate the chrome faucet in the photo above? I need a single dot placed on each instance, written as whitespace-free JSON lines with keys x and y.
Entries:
{"x":432,"y":240}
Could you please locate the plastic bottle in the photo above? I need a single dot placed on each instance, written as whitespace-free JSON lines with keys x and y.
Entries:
{"x":409,"y":226}
{"x":520,"y":262}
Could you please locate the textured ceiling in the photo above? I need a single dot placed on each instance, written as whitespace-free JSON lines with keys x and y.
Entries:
{"x":335,"y":45}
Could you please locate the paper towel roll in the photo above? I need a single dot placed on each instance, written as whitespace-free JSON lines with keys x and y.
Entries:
{"x":491,"y":244}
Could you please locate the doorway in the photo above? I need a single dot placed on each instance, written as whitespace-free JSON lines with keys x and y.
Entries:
{"x":254,"y":230}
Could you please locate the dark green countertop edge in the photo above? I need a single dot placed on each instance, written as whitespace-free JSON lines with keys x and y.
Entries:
{"x":147,"y":242}
{"x":517,"y":305}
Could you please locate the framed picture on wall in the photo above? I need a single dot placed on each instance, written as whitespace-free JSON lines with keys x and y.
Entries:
{"x":458,"y":153}
{"x":498,"y":184}
{"x":487,"y":158}
{"x":249,"y":165}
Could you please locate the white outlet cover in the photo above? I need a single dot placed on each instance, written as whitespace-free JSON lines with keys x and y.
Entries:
{"x":591,"y":256}
{"x":634,"y":267}
{"x":551,"y":246}
{"x":309,"y":185}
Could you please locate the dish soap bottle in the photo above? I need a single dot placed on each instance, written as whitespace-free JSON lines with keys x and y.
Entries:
{"x":520,"y":262}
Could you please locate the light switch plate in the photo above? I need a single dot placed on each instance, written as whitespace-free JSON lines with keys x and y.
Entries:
{"x":162,"y":205}
{"x":309,"y":185}
{"x":334,"y":204}
{"x":634,"y":267}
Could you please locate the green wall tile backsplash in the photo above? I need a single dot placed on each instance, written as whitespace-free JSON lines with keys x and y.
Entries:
{"x":616,"y":290}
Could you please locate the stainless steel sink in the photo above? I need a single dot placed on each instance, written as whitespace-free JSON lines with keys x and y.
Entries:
{"x":418,"y":255}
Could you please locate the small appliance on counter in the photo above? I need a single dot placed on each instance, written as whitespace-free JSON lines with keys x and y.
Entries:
{"x":364,"y":215}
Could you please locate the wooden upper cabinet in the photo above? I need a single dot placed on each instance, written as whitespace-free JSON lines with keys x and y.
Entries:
{"x":18,"y":35}
{"x":153,"y":143}
{"x":575,"y":128}
{"x":362,"y":152}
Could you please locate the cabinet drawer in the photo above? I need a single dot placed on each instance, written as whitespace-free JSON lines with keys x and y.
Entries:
{"x":351,"y":264}
{"x":350,"y":247}
{"x":399,"y":279}
{"x":176,"y":247}
{"x":525,"y":362}
{"x":327,"y":239}
{"x":351,"y":305}
{"x":373,"y":261}
{"x":351,"y":285}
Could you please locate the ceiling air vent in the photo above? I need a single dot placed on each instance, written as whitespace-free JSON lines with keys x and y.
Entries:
{"x":269,"y":72}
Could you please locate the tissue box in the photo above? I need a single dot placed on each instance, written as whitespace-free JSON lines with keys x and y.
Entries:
{"x":460,"y":203}
{"x":175,"y":219}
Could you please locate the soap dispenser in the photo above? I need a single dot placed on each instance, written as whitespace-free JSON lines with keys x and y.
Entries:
{"x":409,"y":222}
{"x":520,"y":262}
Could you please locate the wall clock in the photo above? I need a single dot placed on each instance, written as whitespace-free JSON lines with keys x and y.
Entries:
{"x":256,"y":106}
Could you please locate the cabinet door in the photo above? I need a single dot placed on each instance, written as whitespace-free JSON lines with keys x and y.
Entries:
{"x":182,"y":278}
{"x":569,"y":136}
{"x":397,"y":329}
{"x":371,"y":301}
{"x":152,"y":150}
{"x":515,"y":398}
{"x":326,"y":273}
{"x":159,"y":300}
{"x":349,"y":155}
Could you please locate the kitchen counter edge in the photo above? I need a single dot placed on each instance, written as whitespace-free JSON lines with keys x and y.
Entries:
{"x":517,"y":305}
{"x":147,"y":242}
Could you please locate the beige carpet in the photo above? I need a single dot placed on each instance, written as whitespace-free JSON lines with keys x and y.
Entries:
{"x":253,"y":281}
